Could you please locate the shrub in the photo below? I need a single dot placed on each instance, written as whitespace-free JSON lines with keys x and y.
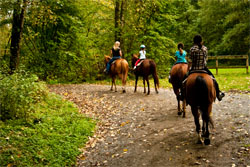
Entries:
{"x":18,"y":93}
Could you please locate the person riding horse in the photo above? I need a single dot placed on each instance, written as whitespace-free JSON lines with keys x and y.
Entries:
{"x":176,"y":75}
{"x":198,"y":61}
{"x":180,"y":56}
{"x":142,"y":55}
{"x":116,"y":53}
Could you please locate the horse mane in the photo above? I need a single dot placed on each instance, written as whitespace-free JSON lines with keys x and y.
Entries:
{"x":106,"y":58}
{"x":135,"y":56}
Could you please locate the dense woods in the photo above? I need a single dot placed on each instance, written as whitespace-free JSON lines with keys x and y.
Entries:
{"x":65,"y":41}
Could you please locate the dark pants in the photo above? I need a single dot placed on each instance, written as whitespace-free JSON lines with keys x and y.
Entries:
{"x":110,"y":61}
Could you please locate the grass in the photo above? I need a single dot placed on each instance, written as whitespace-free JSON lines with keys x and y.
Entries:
{"x":232,"y":79}
{"x":51,"y":138}
{"x":228,"y":79}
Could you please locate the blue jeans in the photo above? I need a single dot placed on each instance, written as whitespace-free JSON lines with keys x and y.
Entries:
{"x":110,"y":61}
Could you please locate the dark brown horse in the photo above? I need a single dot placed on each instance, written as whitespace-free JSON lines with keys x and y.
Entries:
{"x":120,"y":68}
{"x":200,"y":95}
{"x":177,"y":74}
{"x":146,"y":68}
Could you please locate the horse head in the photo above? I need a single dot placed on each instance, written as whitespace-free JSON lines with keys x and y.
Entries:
{"x":134,"y":58}
{"x":106,"y":59}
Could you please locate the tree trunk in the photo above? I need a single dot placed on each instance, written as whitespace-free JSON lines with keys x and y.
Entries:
{"x":16,"y":34}
{"x":122,"y":22}
{"x":117,"y":20}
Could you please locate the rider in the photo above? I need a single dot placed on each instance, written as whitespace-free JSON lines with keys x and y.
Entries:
{"x":142,"y":55}
{"x":116,"y":53}
{"x":198,"y":61}
{"x":179,"y":56}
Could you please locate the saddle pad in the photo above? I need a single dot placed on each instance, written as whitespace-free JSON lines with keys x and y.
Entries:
{"x":115,"y":61}
{"x":140,"y":62}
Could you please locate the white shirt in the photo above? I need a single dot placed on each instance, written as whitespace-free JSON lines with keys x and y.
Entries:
{"x":142,"y":54}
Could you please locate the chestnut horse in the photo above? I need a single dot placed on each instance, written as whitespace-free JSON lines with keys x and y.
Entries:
{"x":177,"y":74}
{"x":120,"y":68}
{"x":200,"y":95}
{"x":146,"y":68}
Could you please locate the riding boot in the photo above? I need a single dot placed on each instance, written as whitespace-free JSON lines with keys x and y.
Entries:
{"x":219,"y":94}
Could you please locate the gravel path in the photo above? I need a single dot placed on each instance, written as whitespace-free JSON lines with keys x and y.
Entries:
{"x":137,"y":130}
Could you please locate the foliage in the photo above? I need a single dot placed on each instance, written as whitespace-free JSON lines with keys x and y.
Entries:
{"x":18,"y":93}
{"x":52,"y":138}
{"x":64,"y":41}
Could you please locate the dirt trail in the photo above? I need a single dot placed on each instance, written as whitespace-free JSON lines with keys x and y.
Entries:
{"x":138,"y":130}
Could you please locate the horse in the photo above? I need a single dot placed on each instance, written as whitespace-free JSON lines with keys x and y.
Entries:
{"x":200,"y":95}
{"x":146,"y":68}
{"x":177,"y":74}
{"x":119,"y":67}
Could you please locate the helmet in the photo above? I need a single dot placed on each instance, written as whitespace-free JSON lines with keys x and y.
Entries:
{"x":142,"y":46}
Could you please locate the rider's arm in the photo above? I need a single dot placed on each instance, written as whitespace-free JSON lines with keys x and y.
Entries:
{"x":189,"y":59}
{"x":120,"y":53}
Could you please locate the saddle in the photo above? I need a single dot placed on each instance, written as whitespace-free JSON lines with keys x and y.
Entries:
{"x":197,"y":71}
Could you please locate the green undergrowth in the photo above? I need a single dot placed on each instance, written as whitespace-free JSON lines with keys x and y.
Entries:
{"x":52,"y":135}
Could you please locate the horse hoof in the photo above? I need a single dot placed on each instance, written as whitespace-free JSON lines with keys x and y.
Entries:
{"x":179,"y":113}
{"x":207,"y":141}
{"x":124,"y":91}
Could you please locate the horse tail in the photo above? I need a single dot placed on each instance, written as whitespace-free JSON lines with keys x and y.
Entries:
{"x":201,"y":90}
{"x":155,"y":76}
{"x":124,"y":71}
{"x":203,"y":99}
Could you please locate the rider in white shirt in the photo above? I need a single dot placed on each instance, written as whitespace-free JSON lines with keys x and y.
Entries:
{"x":142,"y":55}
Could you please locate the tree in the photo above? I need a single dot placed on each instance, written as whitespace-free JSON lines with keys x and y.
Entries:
{"x":16,"y":34}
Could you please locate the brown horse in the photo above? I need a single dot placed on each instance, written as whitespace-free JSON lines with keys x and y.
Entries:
{"x":177,"y":74}
{"x":200,"y":95}
{"x":146,"y":68}
{"x":120,"y":68}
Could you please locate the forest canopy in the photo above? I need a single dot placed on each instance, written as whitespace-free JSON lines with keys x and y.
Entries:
{"x":66,"y":40}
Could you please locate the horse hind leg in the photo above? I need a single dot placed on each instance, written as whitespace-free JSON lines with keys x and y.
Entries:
{"x":205,"y":128}
{"x":115,"y":86}
{"x":196,"y":115}
{"x":176,"y":91}
{"x":124,"y":78}
{"x":136,"y":80}
{"x":148,"y":85}
{"x":144,"y":85}
{"x":156,"y":90}
{"x":112,"y":84}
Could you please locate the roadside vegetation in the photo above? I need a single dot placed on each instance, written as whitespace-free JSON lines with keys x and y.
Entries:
{"x":38,"y":128}
{"x":228,"y":79}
